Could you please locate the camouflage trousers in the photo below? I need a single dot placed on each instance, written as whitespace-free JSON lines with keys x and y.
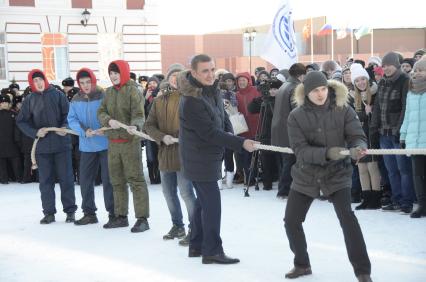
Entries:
{"x":125,"y":167}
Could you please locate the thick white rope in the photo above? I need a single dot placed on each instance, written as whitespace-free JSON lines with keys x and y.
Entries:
{"x":141,"y":134}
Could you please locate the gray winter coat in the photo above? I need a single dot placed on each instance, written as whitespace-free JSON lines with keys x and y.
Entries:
{"x":314,"y":129}
{"x":284,"y":104}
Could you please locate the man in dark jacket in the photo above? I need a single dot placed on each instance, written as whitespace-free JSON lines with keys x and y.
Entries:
{"x":284,"y":104}
{"x":203,"y":135}
{"x":47,"y":107}
{"x":387,"y":118}
{"x":319,"y":129}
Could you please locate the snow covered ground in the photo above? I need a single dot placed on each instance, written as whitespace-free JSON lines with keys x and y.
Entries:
{"x":252,"y":230}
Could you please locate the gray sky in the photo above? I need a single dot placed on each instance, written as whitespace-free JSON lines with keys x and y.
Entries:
{"x":201,"y":16}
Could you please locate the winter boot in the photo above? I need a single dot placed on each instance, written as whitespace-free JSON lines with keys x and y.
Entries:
{"x":111,"y":218}
{"x":87,"y":219}
{"x":420,"y":188}
{"x":375,"y":203}
{"x":366,"y":198}
{"x":70,"y":217}
{"x":355,"y":197}
{"x":117,"y":222}
{"x":47,"y":219}
{"x":141,"y":225}
{"x":229,"y":179}
{"x":238,"y":178}
{"x":175,"y":232}
{"x":185,"y":241}
{"x":419,"y":212}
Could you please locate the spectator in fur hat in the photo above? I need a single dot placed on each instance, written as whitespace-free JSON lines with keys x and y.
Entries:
{"x":14,"y":87}
{"x":219,"y":73}
{"x":312,"y":67}
{"x":329,"y":67}
{"x":419,"y":54}
{"x":273,"y":73}
{"x":143,"y":81}
{"x":374,"y":61}
{"x":407,"y":64}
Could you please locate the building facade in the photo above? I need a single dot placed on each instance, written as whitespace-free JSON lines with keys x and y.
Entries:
{"x":54,"y":35}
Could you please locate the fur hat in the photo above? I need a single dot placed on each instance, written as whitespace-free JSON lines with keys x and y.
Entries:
{"x":392,"y":59}
{"x":313,"y":80}
{"x":375,"y":60}
{"x":420,"y":52}
{"x":409,"y":61}
{"x":5,"y":99}
{"x":228,"y":76}
{"x":14,"y":85}
{"x":358,"y":71}
{"x":68,"y":82}
{"x":329,"y":65}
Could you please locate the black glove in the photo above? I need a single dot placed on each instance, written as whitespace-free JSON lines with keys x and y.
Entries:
{"x":402,"y":144}
{"x":333,"y":153}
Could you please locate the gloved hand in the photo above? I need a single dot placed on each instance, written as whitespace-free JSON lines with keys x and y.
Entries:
{"x":402,"y":144}
{"x":41,"y":132}
{"x":357,"y":153}
{"x":333,"y":153}
{"x":168,"y":140}
{"x":114,"y":124}
{"x":90,"y":133}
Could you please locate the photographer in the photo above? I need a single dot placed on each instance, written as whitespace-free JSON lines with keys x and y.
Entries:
{"x":265,"y":106}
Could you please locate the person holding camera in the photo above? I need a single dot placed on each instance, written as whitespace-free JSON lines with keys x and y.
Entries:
{"x":264,"y":106}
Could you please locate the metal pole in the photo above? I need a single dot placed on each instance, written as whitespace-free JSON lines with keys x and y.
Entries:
{"x":312,"y":42}
{"x":250,"y":39}
{"x":372,"y":43}
{"x":352,"y":43}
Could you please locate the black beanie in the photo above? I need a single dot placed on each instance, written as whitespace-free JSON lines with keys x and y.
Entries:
{"x":68,"y":82}
{"x":391,"y":59}
{"x":83,"y":74}
{"x":228,"y":76}
{"x":37,"y":74}
{"x":14,"y":85}
{"x":409,"y":61}
{"x":133,"y":76}
{"x":113,"y":67}
{"x":313,"y":80}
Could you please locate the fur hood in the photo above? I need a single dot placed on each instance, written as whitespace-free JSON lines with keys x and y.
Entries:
{"x":185,"y":87}
{"x":340,"y":90}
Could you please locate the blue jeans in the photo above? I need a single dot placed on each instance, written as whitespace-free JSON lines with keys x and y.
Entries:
{"x":170,"y":181}
{"x":399,"y":172}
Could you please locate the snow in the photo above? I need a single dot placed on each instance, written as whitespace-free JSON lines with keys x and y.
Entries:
{"x":252,"y":230}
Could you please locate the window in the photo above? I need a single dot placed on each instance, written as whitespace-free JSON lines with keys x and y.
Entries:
{"x":3,"y":70}
{"x":28,"y":3}
{"x":55,"y":56}
{"x":135,"y":4}
{"x":82,"y":4}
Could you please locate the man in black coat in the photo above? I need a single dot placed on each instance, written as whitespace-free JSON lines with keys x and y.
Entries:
{"x":284,"y":104}
{"x":47,"y":107}
{"x":319,"y":129}
{"x":9,"y":150}
{"x":205,"y":131}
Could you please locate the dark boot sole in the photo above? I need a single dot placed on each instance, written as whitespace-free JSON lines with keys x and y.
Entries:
{"x":86,"y":223}
{"x":297,"y":276}
{"x":213,"y":261}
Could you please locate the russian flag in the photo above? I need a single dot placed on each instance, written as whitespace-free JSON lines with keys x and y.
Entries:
{"x":325,"y":30}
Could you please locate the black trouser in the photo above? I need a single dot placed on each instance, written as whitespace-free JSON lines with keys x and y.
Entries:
{"x":297,"y":207}
{"x":229,"y":160}
{"x":419,"y":177}
{"x":28,"y":175}
{"x":288,"y":160}
{"x":205,"y":232}
{"x":89,"y":167}
{"x":356,"y":183}
{"x":15,"y":167}
{"x":54,"y":165}
{"x":270,"y":164}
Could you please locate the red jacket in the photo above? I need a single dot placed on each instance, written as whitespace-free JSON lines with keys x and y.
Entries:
{"x":244,"y":98}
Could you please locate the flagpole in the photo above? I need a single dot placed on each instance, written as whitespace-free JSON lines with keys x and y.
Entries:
{"x":372,"y":43}
{"x":332,"y":44}
{"x":352,"y":43}
{"x":312,"y":42}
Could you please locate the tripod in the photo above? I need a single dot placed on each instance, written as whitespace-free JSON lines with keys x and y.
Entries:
{"x":256,"y":157}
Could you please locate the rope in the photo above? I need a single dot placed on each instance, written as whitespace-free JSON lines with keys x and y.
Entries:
{"x":54,"y":129}
{"x":407,"y":152}
{"x":141,"y":134}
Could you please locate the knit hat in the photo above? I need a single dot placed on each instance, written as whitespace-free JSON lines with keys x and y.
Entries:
{"x":329,"y":65}
{"x":14,"y":85}
{"x":38,"y":74}
{"x":113,"y":67}
{"x":154,"y":78}
{"x":4,"y":99}
{"x":337,"y":75}
{"x":174,"y":68}
{"x":409,"y":61}
{"x":391,"y":59}
{"x":420,"y":65}
{"x":358,"y":71}
{"x":313,"y":66}
{"x":375,"y":60}
{"x":313,"y":80}
{"x":68,"y":82}
{"x":228,"y":76}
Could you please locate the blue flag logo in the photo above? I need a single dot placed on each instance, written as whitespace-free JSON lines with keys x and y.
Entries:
{"x":283,"y":31}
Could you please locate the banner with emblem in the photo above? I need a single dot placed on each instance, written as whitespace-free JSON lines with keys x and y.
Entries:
{"x":280,"y":44}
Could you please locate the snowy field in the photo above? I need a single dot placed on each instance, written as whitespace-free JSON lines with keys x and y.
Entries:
{"x":252,"y":230}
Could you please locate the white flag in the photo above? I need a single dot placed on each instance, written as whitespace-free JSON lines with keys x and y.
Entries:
{"x":280,"y":45}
